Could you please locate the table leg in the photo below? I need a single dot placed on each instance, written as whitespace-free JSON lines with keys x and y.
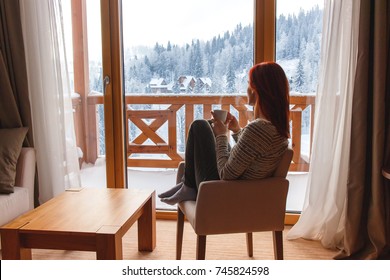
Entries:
{"x":109,"y":244}
{"x":11,"y":248}
{"x":147,"y":226}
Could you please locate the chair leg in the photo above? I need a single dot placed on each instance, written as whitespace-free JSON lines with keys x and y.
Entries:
{"x":278,"y":244}
{"x":249,"y":243}
{"x":201,"y":247}
{"x":179,"y":233}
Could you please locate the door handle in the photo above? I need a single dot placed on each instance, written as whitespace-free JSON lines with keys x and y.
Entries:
{"x":106,"y":82}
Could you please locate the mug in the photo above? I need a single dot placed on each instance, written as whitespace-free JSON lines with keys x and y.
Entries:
{"x":220,"y":115}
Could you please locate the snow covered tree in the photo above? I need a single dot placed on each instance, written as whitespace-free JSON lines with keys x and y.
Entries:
{"x":169,"y":47}
{"x":299,"y":79}
{"x":197,"y":60}
{"x":230,"y":80}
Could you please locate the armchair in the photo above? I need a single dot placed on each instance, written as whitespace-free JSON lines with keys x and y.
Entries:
{"x":239,"y":206}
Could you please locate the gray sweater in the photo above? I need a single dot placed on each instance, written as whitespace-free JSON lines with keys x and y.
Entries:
{"x":259,"y":148}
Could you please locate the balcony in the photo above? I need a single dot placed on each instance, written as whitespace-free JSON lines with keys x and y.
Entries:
{"x":156,"y":135}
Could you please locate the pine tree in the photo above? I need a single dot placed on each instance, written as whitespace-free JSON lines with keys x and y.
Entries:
{"x":299,"y":79}
{"x":197,"y":60}
{"x":230,"y":80}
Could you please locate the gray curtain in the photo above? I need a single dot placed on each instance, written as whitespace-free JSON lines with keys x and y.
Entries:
{"x":368,"y":200}
{"x":14,"y":98}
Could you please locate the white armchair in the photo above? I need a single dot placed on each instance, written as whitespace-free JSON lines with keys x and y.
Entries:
{"x":237,"y":206}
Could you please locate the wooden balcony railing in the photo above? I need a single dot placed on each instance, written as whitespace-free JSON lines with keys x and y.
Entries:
{"x":149,"y":141}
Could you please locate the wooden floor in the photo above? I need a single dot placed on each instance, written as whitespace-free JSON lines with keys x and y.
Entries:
{"x":219,"y":247}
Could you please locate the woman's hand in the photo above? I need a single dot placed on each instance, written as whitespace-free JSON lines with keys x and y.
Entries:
{"x":232,"y":123}
{"x":219,"y":128}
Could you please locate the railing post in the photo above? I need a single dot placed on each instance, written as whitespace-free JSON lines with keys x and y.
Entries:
{"x":92,"y":135}
{"x":189,"y":111}
{"x":312,"y":114}
{"x":78,"y":121}
{"x":296,"y":118}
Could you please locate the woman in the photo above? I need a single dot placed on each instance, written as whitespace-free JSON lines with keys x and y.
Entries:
{"x":259,"y":145}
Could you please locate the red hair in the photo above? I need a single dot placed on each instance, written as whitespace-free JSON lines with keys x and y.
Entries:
{"x":270,"y":83}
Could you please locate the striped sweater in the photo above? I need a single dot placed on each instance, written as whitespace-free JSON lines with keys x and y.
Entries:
{"x":258,"y":149}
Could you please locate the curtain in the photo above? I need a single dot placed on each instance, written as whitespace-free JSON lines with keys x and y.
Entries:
{"x":323,"y":213}
{"x":15,"y":106}
{"x":50,"y":93}
{"x":367,"y":226}
{"x":14,"y":96}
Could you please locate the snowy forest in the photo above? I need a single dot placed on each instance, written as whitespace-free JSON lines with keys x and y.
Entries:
{"x":224,"y":60}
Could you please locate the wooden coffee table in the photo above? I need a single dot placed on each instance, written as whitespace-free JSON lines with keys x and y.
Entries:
{"x":83,"y":220}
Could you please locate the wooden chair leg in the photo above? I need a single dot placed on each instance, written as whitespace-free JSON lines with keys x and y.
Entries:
{"x":249,"y":243}
{"x":201,"y":247}
{"x":179,"y":233}
{"x":278,"y":244}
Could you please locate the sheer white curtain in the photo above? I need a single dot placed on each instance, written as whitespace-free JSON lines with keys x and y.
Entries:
{"x":323,"y":214}
{"x":50,"y":97}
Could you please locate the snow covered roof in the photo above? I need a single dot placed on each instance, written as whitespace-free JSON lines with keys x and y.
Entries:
{"x":158,"y":83}
{"x":205,"y":80}
{"x":170,"y":86}
{"x":185,"y":80}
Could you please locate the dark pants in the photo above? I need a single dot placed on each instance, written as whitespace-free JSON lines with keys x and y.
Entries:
{"x":200,"y":156}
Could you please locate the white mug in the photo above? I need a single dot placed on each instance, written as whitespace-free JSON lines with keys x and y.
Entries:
{"x":220,"y":115}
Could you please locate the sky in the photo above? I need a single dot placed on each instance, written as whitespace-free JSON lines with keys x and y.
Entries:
{"x":182,"y":20}
{"x":293,"y":6}
{"x":146,"y":22}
